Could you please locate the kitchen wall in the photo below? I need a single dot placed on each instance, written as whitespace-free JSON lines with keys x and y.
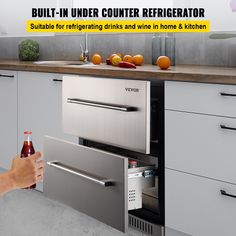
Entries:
{"x":191,"y":48}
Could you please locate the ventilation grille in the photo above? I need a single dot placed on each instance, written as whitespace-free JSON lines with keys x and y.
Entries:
{"x":132,"y":195}
{"x":141,"y":225}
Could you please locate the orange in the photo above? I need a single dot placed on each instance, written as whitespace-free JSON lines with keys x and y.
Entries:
{"x":96,"y":59}
{"x":163,"y":62}
{"x":138,"y":60}
{"x":128,"y":58}
{"x":116,"y":60}
{"x":112,"y":55}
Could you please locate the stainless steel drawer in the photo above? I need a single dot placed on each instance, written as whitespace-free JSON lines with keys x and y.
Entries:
{"x":94,"y":182}
{"x":91,"y":181}
{"x":111,"y":111}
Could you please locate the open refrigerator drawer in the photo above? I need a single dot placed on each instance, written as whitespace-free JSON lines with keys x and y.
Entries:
{"x":139,"y":178}
{"x":97,"y":183}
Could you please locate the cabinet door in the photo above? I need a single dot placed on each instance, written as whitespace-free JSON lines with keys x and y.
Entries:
{"x":40,"y":107}
{"x":8,"y":118}
{"x":212,"y":99}
{"x":201,"y":144}
{"x":197,"y":206}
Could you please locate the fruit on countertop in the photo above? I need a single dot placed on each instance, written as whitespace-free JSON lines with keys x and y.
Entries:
{"x":120,"y":55}
{"x":111,"y":56}
{"x":163,"y":62}
{"x":126,"y":61}
{"x":116,"y":54}
{"x":108,"y":62}
{"x":81,"y":58}
{"x":115,"y":60}
{"x":138,"y":59}
{"x":128,"y":58}
{"x":96,"y":59}
{"x":125,"y":64}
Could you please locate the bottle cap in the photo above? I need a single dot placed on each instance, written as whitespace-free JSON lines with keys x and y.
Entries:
{"x":27,"y":132}
{"x":133,"y":162}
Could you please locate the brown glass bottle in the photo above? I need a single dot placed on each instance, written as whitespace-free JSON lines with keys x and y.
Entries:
{"x":28,"y":150}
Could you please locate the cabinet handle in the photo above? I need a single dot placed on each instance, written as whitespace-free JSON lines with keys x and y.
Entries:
{"x":7,"y":76}
{"x":227,"y":127}
{"x":101,"y":105}
{"x":228,"y":94}
{"x":83,"y":174}
{"x":57,"y":80}
{"x":223,"y":192}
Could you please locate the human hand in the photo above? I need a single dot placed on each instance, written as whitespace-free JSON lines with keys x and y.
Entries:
{"x":26,"y":171}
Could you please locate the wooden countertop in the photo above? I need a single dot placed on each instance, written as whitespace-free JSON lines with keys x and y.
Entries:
{"x":190,"y":73}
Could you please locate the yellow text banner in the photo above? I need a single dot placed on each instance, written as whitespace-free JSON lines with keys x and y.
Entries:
{"x":118,"y":26}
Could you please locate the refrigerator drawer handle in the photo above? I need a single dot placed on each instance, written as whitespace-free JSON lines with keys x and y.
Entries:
{"x":57,"y":80}
{"x":228,"y":94}
{"x":101,"y":105}
{"x":227,"y":127}
{"x":7,"y":76}
{"x":83,"y":174}
{"x":223,"y":192}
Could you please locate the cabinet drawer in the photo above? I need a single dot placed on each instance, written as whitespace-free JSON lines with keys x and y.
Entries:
{"x":5,"y":74}
{"x":91,"y":192}
{"x":111,"y":111}
{"x":198,"y":144}
{"x":94,"y":182}
{"x":196,"y":206}
{"x":212,"y":99}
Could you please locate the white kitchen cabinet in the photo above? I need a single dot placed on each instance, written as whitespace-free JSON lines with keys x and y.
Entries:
{"x":40,"y":107}
{"x":200,"y":132}
{"x":213,"y":99}
{"x":196,"y":206}
{"x":8,"y":118}
{"x":197,"y":144}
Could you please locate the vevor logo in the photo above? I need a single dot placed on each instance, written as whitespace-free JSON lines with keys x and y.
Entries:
{"x":132,"y":90}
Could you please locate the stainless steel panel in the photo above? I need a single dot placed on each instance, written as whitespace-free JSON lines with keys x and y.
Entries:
{"x":83,"y":174}
{"x":101,"y":105}
{"x":150,"y":200}
{"x":111,"y":111}
{"x":146,"y":227}
{"x":70,"y":180}
{"x":139,"y":178}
